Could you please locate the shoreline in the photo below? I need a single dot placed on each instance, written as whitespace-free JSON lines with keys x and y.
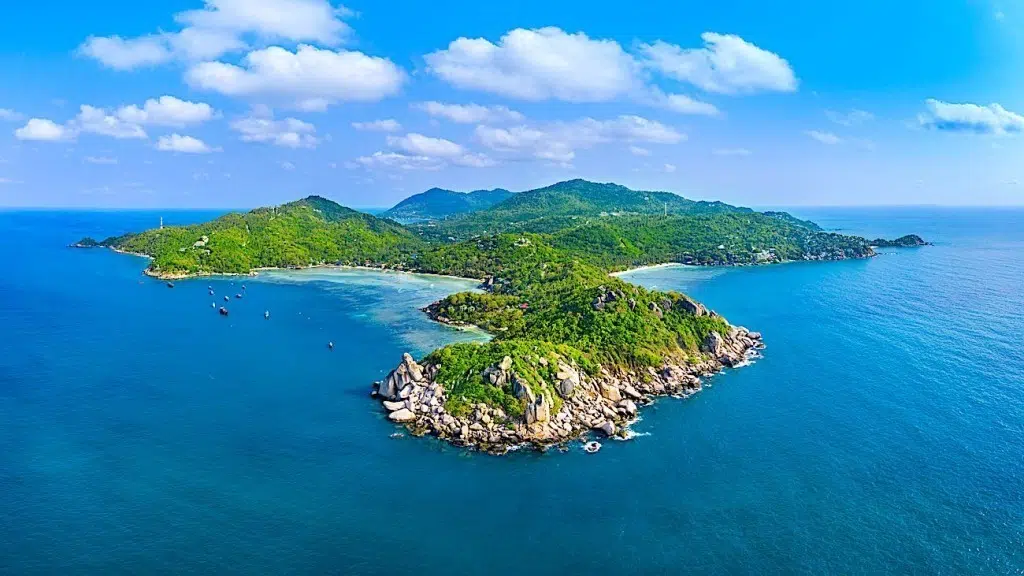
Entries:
{"x":602,"y":405}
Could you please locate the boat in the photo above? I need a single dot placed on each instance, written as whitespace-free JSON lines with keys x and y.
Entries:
{"x":330,"y":345}
{"x":223,"y":311}
{"x":591,"y":447}
{"x":266,"y":315}
{"x":238,"y":295}
{"x":211,"y":291}
{"x":170,"y":284}
{"x":226,"y":298}
{"x":213,"y":304}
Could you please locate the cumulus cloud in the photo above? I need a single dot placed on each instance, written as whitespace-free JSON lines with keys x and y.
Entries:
{"x":727,"y":64}
{"x":990,"y":119}
{"x":420,"y":146}
{"x":311,"y":77}
{"x":469,"y":113}
{"x":669,"y":168}
{"x":638,"y":151}
{"x":400,"y":161}
{"x":851,"y":118}
{"x":557,"y":142}
{"x":683,"y":104}
{"x":387,"y":125}
{"x":290,"y":132}
{"x":127,"y":53}
{"x":221,"y":27}
{"x":43,"y":130}
{"x":98,"y":121}
{"x":184,"y":144}
{"x":541,"y":64}
{"x":166,"y":111}
{"x":824,"y":137}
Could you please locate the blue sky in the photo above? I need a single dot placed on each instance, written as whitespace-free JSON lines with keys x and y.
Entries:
{"x":239,"y":103}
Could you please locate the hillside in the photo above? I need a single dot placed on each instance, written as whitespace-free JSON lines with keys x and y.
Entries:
{"x":302,"y":233}
{"x":564,"y":204}
{"x":439,"y":203}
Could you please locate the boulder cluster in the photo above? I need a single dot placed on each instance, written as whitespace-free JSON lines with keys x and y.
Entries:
{"x":606,"y":402}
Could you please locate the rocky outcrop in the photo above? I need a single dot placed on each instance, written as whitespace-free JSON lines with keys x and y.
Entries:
{"x":606,"y":402}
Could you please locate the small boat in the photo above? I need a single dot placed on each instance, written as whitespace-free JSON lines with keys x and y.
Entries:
{"x":226,"y":299}
{"x":330,"y":345}
{"x":211,"y":291}
{"x":213,"y":304}
{"x":591,"y":447}
{"x":223,"y":311}
{"x":266,"y":315}
{"x":238,"y":295}
{"x":170,"y":284}
{"x":243,"y":286}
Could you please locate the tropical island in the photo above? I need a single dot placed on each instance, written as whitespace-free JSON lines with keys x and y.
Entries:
{"x":573,"y":348}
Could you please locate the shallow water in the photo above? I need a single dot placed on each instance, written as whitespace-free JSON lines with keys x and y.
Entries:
{"x":883,"y":431}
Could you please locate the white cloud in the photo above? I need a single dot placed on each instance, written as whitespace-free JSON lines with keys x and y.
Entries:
{"x":295,"y":20}
{"x":851,"y":118}
{"x":387,"y":125}
{"x":420,"y":146}
{"x":669,"y":168}
{"x":184,"y":144}
{"x":100,"y":160}
{"x":469,"y":113}
{"x":290,"y":132}
{"x":9,"y":115}
{"x":557,"y":142}
{"x":727,"y":64}
{"x":167,"y":111}
{"x":97,"y":121}
{"x":221,"y":27}
{"x":824,"y":137}
{"x":308,"y":75}
{"x":731,"y":152}
{"x":400,"y":161}
{"x":43,"y":130}
{"x":991,"y":119}
{"x":999,"y":15}
{"x":287,"y":166}
{"x":540,"y":64}
{"x":638,"y":151}
{"x":9,"y":181}
{"x":685,"y":105}
{"x":127,"y":53}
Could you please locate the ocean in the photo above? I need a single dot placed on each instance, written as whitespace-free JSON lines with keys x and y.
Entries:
{"x":142,"y":433}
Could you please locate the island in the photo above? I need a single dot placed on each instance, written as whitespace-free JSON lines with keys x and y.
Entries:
{"x":574,"y":350}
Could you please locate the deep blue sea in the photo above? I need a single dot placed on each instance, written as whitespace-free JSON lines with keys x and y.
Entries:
{"x":141,"y":433}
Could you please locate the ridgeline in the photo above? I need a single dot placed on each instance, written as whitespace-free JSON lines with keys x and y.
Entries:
{"x":573,"y":348}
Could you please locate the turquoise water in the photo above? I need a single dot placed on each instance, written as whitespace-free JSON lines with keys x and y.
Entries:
{"x":883,"y":431}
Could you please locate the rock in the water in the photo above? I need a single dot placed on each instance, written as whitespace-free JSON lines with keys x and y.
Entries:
{"x":631,"y":392}
{"x":403,"y":415}
{"x":608,"y":428}
{"x":393,"y":406}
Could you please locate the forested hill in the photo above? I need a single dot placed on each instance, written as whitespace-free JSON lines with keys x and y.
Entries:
{"x":439,"y":203}
{"x":566,"y":204}
{"x":310,"y":231}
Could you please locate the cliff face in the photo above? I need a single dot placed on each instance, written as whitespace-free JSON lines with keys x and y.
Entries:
{"x":606,"y":402}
